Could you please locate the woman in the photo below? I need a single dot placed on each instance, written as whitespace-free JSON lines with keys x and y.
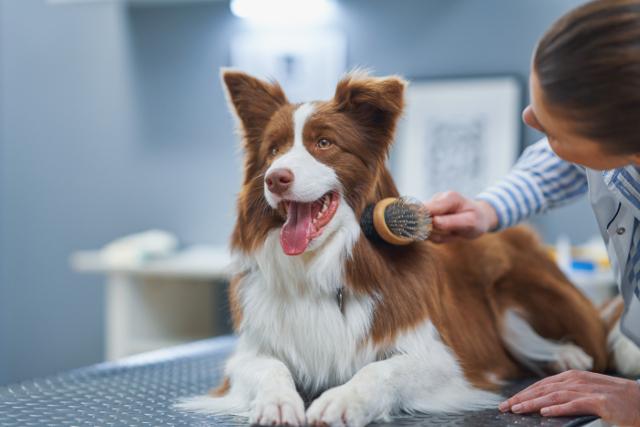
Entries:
{"x":585,"y":96}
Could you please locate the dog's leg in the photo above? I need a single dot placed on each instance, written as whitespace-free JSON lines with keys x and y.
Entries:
{"x":623,"y":353}
{"x":536,"y":352}
{"x":423,"y":377}
{"x":626,"y":355}
{"x":261,"y":388}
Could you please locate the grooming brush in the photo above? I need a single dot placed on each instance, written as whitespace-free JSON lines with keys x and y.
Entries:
{"x":398,"y":221}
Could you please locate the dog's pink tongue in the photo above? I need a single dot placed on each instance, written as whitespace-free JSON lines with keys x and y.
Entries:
{"x":294,"y":236}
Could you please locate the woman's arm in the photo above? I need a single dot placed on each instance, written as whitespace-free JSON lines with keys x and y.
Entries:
{"x":539,"y":181}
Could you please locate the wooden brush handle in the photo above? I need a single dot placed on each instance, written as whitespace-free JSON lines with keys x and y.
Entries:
{"x":381,"y":227}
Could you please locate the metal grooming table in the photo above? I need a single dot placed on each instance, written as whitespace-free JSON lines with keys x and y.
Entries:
{"x":140,"y":391}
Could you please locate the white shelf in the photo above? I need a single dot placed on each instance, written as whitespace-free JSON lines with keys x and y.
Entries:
{"x":144,"y":346}
{"x":198,"y":262}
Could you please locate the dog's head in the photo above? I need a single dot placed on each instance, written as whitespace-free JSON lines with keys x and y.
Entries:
{"x":308,"y":166}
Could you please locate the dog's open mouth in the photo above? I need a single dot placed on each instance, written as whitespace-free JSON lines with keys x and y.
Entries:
{"x":306,"y":221}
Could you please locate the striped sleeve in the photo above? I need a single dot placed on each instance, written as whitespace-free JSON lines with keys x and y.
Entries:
{"x":539,"y":181}
{"x":625,"y":181}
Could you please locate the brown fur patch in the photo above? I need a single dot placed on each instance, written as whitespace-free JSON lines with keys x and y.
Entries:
{"x":611,"y":311}
{"x":464,"y":289}
{"x":235,"y":305}
{"x":222,"y":389}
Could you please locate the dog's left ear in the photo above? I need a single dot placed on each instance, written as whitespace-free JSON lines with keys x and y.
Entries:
{"x":374,"y":102}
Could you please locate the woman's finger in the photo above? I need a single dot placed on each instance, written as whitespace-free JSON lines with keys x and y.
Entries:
{"x":536,"y":389}
{"x":460,"y":222}
{"x":584,"y":406}
{"x":550,"y":399}
{"x":444,"y":203}
{"x":527,"y":395}
{"x":572,"y":379}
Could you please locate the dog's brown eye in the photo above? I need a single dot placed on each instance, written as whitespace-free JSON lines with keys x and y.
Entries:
{"x":324,"y":143}
{"x":274,"y":151}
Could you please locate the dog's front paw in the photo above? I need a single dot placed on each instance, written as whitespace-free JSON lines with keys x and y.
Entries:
{"x":278,"y":408}
{"x":340,"y":406}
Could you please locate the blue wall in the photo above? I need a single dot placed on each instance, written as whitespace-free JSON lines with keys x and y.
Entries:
{"x":113,"y":121}
{"x":4,"y":318}
{"x":65,"y":142}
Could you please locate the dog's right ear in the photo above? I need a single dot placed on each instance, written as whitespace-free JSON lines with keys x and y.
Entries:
{"x":254,"y":101}
{"x":374,"y":102}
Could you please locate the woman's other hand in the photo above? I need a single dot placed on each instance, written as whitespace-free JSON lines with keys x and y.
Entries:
{"x":615,"y":400}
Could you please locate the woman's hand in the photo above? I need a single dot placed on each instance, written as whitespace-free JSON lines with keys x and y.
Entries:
{"x":615,"y":400}
{"x":454,"y":215}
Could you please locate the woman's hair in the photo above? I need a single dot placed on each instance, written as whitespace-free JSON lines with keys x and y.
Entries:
{"x":588,"y":66}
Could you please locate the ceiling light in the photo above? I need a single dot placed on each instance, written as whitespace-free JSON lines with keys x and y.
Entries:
{"x":282,"y":11}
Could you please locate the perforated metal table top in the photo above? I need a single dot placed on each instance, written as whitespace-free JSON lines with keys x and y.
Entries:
{"x":140,"y":391}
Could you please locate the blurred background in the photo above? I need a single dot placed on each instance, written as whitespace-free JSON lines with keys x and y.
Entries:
{"x":113,"y":121}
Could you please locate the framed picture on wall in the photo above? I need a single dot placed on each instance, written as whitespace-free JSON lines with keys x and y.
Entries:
{"x":459,"y":134}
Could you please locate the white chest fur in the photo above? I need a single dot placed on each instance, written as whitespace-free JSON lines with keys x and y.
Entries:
{"x":321,"y":346}
{"x":291,"y":312}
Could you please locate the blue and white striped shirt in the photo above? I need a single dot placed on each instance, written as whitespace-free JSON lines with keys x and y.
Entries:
{"x":540,"y":181}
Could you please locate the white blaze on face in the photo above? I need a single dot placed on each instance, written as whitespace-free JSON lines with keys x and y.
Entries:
{"x":312,"y":198}
{"x":311,"y":178}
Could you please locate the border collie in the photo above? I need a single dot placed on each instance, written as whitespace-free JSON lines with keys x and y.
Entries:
{"x":366,"y":330}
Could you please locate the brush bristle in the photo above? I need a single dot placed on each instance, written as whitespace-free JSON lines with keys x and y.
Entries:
{"x":366,"y":223}
{"x":408,"y":218}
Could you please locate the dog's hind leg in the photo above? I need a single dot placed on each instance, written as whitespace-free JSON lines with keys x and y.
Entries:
{"x":538,"y":353}
{"x":626,"y":355}
{"x":623,"y":353}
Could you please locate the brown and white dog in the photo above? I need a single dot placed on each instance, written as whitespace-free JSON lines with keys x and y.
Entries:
{"x":373,"y":330}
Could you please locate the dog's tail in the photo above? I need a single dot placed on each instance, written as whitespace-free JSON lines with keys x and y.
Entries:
{"x":229,"y":404}
{"x":624,"y":355}
{"x":220,"y":400}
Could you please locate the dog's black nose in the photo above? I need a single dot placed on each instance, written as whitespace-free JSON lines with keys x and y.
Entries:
{"x":279,"y":181}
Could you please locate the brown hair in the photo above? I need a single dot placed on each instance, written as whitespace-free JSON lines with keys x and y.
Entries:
{"x":588,"y":66}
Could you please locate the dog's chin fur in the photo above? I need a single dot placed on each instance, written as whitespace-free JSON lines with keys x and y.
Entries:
{"x":422,"y":328}
{"x":318,"y":271}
